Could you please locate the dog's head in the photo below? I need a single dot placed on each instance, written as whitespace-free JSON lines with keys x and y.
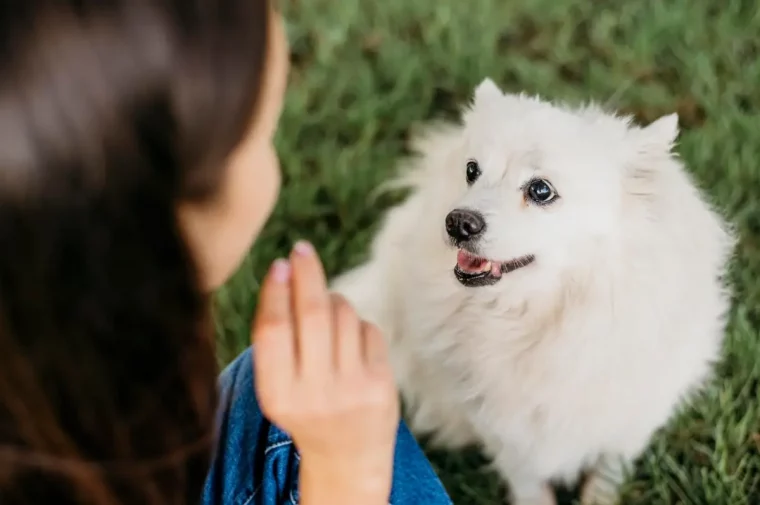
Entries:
{"x":529,"y":184}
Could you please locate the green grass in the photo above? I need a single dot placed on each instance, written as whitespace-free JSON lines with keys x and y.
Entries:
{"x":365,"y":72}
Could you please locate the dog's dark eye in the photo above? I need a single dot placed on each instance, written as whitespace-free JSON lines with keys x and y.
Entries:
{"x":473,"y":171}
{"x":541,"y":192}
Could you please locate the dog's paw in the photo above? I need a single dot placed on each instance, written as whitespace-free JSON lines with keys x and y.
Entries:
{"x":598,"y":490}
{"x":543,"y":496}
{"x":602,"y":487}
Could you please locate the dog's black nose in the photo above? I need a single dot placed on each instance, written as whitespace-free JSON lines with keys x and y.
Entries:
{"x":464,"y":224}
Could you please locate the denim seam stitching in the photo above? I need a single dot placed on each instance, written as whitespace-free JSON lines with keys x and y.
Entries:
{"x":269,"y":449}
{"x":253,"y":495}
{"x":277,"y":446}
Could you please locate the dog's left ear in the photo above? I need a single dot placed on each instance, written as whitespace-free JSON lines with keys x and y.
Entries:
{"x":655,"y":140}
{"x":486,"y":91}
{"x":662,"y":132}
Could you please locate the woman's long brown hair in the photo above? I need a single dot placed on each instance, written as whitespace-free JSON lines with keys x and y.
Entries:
{"x":112,"y":112}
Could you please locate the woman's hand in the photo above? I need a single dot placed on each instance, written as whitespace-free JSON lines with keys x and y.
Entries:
{"x":323,"y":376}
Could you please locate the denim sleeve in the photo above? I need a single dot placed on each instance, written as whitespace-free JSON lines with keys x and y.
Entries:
{"x":256,"y":463}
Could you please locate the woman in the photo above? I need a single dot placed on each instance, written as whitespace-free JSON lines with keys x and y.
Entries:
{"x":137,"y":168}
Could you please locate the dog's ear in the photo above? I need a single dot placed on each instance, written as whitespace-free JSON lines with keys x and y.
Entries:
{"x":662,"y":132}
{"x":486,"y":91}
{"x":654,"y":143}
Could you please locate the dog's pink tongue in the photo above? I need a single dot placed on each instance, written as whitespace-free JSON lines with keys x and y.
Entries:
{"x":469,"y":263}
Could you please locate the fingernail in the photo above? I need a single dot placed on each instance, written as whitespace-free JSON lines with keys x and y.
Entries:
{"x":303,"y":248}
{"x":280,"y":270}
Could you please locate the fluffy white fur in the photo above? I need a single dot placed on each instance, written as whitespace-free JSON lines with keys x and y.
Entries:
{"x":574,"y":361}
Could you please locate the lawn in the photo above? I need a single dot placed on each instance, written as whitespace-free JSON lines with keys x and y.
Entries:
{"x":364,"y":72}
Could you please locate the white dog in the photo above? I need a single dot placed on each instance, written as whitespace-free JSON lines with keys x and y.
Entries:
{"x":552,"y":289}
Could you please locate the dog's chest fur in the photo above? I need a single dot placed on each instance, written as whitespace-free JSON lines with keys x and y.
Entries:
{"x":553,"y":386}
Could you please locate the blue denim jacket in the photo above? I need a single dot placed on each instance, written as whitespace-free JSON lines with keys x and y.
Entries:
{"x":256,"y":463}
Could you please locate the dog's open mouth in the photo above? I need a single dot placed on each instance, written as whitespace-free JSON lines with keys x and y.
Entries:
{"x":475,"y":271}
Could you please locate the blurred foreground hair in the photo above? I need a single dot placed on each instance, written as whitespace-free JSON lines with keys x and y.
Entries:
{"x":111,"y":113}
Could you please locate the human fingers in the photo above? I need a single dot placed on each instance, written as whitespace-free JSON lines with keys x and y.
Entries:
{"x":375,"y":347}
{"x":349,"y":348}
{"x":275,"y":351}
{"x":312,"y":312}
